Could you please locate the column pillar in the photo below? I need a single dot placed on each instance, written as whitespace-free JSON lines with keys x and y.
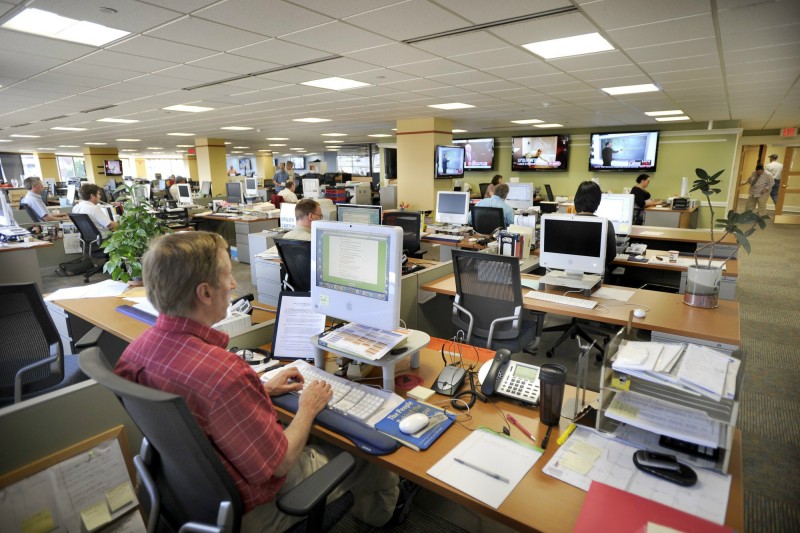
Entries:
{"x":265,"y":165}
{"x":190,"y":160}
{"x":416,"y":147}
{"x":48,"y":165}
{"x":211,"y":164}
{"x":94,"y":158}
{"x":141,"y":168}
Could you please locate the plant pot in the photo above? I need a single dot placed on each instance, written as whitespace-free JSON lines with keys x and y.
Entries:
{"x":702,"y":286}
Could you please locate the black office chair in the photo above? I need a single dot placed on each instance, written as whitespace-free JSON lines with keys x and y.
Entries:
{"x":90,"y":243}
{"x":483,"y":187}
{"x":485,"y":220}
{"x":576,"y":328}
{"x":488,"y":303}
{"x":32,"y":361}
{"x":296,"y":258}
{"x":410,"y":222}
{"x":186,"y":485}
{"x":31,"y":213}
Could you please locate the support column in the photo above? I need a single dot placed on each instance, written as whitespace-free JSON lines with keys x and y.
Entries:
{"x":94,"y":158}
{"x":416,"y":148}
{"x":211,"y":164}
{"x":141,"y":168}
{"x":48,"y":165}
{"x":265,"y":166}
{"x":190,"y":160}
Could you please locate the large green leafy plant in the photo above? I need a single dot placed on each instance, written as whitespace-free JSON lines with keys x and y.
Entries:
{"x":127,"y":244}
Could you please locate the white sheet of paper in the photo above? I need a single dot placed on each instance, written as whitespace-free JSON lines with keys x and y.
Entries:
{"x":297,"y":323}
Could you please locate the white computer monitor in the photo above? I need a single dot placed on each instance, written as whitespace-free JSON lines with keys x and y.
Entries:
{"x":6,"y":214}
{"x":184,"y":194}
{"x":205,"y":188}
{"x":288,"y":218}
{"x":618,"y":209}
{"x":357,"y":272}
{"x":310,"y":188}
{"x":359,"y":214}
{"x":250,"y":187}
{"x":520,"y":195}
{"x":141,"y":192}
{"x":575,"y":244}
{"x":71,"y":193}
{"x":452,"y":207}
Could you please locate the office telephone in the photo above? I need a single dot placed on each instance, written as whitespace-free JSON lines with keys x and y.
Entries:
{"x":513,"y":379}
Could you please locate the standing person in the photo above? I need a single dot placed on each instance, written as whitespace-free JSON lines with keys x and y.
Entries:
{"x":496,"y":180}
{"x":587,"y":200}
{"x":774,"y":168}
{"x":288,"y":194}
{"x":290,"y":169}
{"x":33,"y":199}
{"x":280,"y":178}
{"x":608,"y":154}
{"x":189,"y":280}
{"x":305,"y":212}
{"x":90,"y":198}
{"x":761,"y":183}
{"x":498,"y":199}
{"x":641,"y":198}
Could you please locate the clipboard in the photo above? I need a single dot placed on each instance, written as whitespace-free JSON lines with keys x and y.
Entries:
{"x":294,"y":318}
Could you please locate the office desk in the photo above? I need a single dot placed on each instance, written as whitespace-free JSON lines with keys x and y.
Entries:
{"x":19,"y":262}
{"x":681,"y":239}
{"x":668,"y":314}
{"x":670,"y":218}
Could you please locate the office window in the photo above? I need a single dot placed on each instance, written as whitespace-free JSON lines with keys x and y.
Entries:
{"x":71,"y":167}
{"x":30,"y":165}
{"x":165,"y":167}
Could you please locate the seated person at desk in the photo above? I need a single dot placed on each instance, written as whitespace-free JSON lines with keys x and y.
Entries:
{"x":288,"y":194}
{"x":188,"y":279}
{"x":90,"y":198}
{"x":33,"y":199}
{"x":587,"y":200}
{"x":496,"y":180}
{"x":641,"y":198}
{"x":173,"y":190}
{"x":305,"y":212}
{"x":498,"y":199}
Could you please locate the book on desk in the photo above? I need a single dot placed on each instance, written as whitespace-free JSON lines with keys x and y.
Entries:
{"x":438,"y":423}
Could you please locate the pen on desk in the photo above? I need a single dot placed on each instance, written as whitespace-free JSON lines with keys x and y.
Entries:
{"x":477,"y":468}
{"x":546,"y":437}
{"x":563,"y":437}
{"x":519,"y":426}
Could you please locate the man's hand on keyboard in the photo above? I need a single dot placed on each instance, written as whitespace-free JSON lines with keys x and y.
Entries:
{"x":287,"y":380}
{"x":315,"y":397}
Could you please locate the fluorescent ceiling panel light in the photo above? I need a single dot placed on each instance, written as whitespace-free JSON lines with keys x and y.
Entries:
{"x":236,"y":128}
{"x":528,"y":121}
{"x":587,"y":43}
{"x":241,"y":147}
{"x":183,"y":135}
{"x":184,"y":146}
{"x":155,"y":148}
{"x":95,"y":144}
{"x":8,"y":141}
{"x":60,"y":146}
{"x":277,"y":138}
{"x":459,"y":131}
{"x":118,"y":120}
{"x":332,"y":142}
{"x":67,"y":128}
{"x":45,"y":148}
{"x":129,"y":150}
{"x":24,"y":136}
{"x":188,"y":108}
{"x":334,"y":134}
{"x":236,"y":152}
{"x":311,"y":119}
{"x":335,"y":84}
{"x":228,"y":142}
{"x":452,"y":105}
{"x":672,"y":119}
{"x":278,"y":144}
{"x":128,"y":140}
{"x":40,"y":22}
{"x":663,"y":113}
{"x":379,"y":135}
{"x":265,"y":150}
{"x":298,"y":149}
{"x":180,"y":151}
{"x":630,"y":89}
{"x":548,"y":125}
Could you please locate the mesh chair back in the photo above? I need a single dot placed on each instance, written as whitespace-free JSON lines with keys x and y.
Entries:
{"x":29,"y":336}
{"x":90,"y":235}
{"x":31,"y":213}
{"x":296,"y":258}
{"x":483,"y":187}
{"x":487,"y":219}
{"x":410,"y":222}
{"x":488,"y":286}
{"x":191,"y":479}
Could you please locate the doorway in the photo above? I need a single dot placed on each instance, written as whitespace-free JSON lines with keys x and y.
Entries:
{"x":750,"y":157}
{"x":789,"y":191}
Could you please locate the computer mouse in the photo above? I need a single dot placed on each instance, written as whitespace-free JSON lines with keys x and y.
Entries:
{"x":639,"y":257}
{"x":639,"y":313}
{"x":413,"y":423}
{"x":473,"y":239}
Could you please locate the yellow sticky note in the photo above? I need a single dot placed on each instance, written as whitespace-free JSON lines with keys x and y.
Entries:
{"x":620,"y":381}
{"x":95,"y":516}
{"x":120,"y":496}
{"x":575,"y":462}
{"x":586,"y":450}
{"x":41,"y":522}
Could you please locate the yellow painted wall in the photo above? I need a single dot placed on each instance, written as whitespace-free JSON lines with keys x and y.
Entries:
{"x":416,"y":142}
{"x":191,"y":166}
{"x":265,"y":166}
{"x":48,"y":165}
{"x":141,"y":168}
{"x":211,"y":163}
{"x":95,"y":166}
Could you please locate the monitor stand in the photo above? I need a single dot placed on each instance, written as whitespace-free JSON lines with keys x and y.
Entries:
{"x":584,"y":282}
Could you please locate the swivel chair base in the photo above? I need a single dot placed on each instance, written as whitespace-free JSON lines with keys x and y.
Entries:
{"x":575,"y":329}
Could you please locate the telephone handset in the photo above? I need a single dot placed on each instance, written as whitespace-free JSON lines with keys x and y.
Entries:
{"x":516,"y":380}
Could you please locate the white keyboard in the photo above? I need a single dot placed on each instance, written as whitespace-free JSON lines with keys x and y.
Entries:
{"x":446,"y":237}
{"x":561,"y":299}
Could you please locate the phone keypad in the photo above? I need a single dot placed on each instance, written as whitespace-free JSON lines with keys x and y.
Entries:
{"x":522,"y":389}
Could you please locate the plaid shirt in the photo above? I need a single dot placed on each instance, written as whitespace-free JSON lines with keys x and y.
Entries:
{"x":225,"y":396}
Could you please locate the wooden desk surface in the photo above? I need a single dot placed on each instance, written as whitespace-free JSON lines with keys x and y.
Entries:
{"x":17,"y":246}
{"x":656,"y":233}
{"x":539,"y":502}
{"x":670,"y":210}
{"x":668,"y":314}
{"x":237,"y":218}
{"x":731,"y":267}
{"x":463,"y":243}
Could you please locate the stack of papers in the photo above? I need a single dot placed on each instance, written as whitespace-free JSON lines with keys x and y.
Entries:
{"x":363,"y":341}
{"x":269,"y":253}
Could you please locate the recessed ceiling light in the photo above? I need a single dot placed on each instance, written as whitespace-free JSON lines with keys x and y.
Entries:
{"x":379,"y":135}
{"x":311,"y":119}
{"x":228,"y":142}
{"x":236,"y":152}
{"x":663,"y":113}
{"x":334,"y":134}
{"x":528,"y":121}
{"x":459,"y":131}
{"x":277,"y":138}
{"x":278,"y":144}
{"x":184,"y":146}
{"x":181,"y":134}
{"x":128,"y":140}
{"x":24,"y":136}
{"x":129,"y":150}
{"x":8,"y":141}
{"x":548,"y":125}
{"x":672,"y":119}
{"x":62,"y":145}
{"x":236,"y":128}
{"x":67,"y":128}
{"x":265,"y":150}
{"x":312,"y":153}
{"x":241,"y":147}
{"x":118,"y":120}
{"x":47,"y":24}
{"x":335,"y":84}
{"x":45,"y":148}
{"x":188,"y":108}
{"x":588,"y":43}
{"x":630,"y":89}
{"x":332,"y":142}
{"x":155,"y":147}
{"x":180,"y":151}
{"x":452,"y":105}
{"x":298,"y":149}
{"x":95,"y":144}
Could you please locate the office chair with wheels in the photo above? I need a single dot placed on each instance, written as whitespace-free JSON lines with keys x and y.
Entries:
{"x":90,"y":243}
{"x":576,"y":328}
{"x":276,"y":200}
{"x":31,"y":213}
{"x":485,"y":220}
{"x":296,"y":258}
{"x":488,"y":303}
{"x":410,"y":222}
{"x":186,"y":485}
{"x":32,"y":361}
{"x":483,"y":187}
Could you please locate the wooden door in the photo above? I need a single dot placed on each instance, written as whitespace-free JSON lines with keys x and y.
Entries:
{"x":789,"y":191}
{"x":750,"y":157}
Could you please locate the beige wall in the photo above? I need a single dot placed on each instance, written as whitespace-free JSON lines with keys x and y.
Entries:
{"x":48,"y":165}
{"x":95,"y":167}
{"x":416,"y":142}
{"x":211,"y":162}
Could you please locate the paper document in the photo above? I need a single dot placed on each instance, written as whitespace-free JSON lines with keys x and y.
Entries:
{"x":622,"y":295}
{"x":297,"y":323}
{"x":486,"y":466}
{"x":705,"y":368}
{"x":363,"y":341}
{"x":96,"y":290}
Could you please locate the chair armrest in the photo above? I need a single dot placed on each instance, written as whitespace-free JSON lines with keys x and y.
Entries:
{"x":28,"y":368}
{"x":301,"y":499}
{"x":90,"y":339}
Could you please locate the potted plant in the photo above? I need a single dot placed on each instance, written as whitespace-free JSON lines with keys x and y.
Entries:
{"x":127,"y":244}
{"x":703,"y":279}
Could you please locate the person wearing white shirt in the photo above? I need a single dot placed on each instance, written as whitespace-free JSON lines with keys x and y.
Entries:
{"x":290,"y":170}
{"x":288,"y":194}
{"x":33,"y":199}
{"x":774,"y":168}
{"x":90,"y":198}
{"x":305,"y":212}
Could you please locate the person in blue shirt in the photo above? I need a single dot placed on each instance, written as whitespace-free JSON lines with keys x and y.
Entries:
{"x":280,"y":178}
{"x":498,"y":199}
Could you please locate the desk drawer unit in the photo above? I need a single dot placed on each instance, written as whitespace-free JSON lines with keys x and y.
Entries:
{"x":268,"y":280}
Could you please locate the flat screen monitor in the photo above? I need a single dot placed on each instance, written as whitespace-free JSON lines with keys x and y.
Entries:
{"x":618,"y":209}
{"x":623,"y":152}
{"x":6,"y":214}
{"x":234,"y":193}
{"x":449,"y":161}
{"x":50,"y":185}
{"x":411,"y":223}
{"x":310,"y":188}
{"x":543,"y":153}
{"x":205,"y":188}
{"x":390,"y":163}
{"x":550,"y":196}
{"x":359,"y":214}
{"x":575,"y":244}
{"x":71,"y":188}
{"x":356,"y":272}
{"x":288,"y":219}
{"x":141,"y":192}
{"x":299,"y":163}
{"x":520,"y":195}
{"x":478,"y":153}
{"x":184,"y":194}
{"x":113,"y":167}
{"x":452,"y":207}
{"x":251,"y":187}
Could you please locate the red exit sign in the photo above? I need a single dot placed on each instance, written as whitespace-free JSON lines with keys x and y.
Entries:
{"x":788,"y":132}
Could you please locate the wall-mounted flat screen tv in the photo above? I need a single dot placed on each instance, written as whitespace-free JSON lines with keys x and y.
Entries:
{"x":543,"y":153}
{"x":634,"y":151}
{"x":449,"y":161}
{"x":113,"y":167}
{"x":478,"y":153}
{"x":299,"y":163}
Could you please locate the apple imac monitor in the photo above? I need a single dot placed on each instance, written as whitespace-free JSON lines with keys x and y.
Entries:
{"x":357,"y":272}
{"x":234,"y":193}
{"x":359,"y":214}
{"x":250,"y":187}
{"x":452,"y":207}
{"x":205,"y":188}
{"x":575,"y":244}
{"x":288,"y":219}
{"x":520,"y":195}
{"x":310,"y":188}
{"x":184,"y":194}
{"x":618,"y":209}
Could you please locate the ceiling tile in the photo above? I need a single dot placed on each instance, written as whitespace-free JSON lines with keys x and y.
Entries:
{"x":144,"y":46}
{"x":431,"y":68}
{"x":14,"y":41}
{"x":130,"y":15}
{"x":657,"y":33}
{"x":689,"y":48}
{"x":752,"y":18}
{"x":479,"y":41}
{"x":17,"y":65}
{"x":195,"y":32}
{"x":406,"y":20}
{"x":615,"y":14}
{"x":233,"y":64}
{"x":481,"y":12}
{"x":338,"y":37}
{"x":107,"y":58}
{"x":391,"y":55}
{"x":271,"y":18}
{"x":762,"y":39}
{"x":281,"y":52}
{"x":543,"y":29}
{"x":344,"y":8}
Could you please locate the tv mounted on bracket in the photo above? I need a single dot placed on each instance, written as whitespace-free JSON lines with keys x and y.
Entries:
{"x":113,"y":167}
{"x":478,"y":153}
{"x":634,"y":151}
{"x":449,"y":162}
{"x":543,"y":153}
